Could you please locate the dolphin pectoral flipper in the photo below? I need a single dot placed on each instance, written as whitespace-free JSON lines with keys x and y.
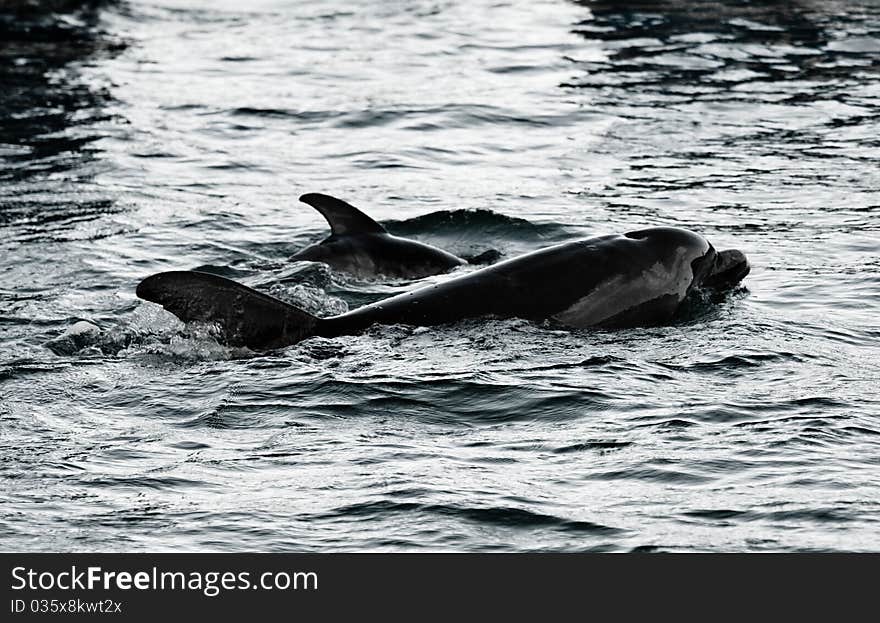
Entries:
{"x":344,"y":219}
{"x":247,"y":317}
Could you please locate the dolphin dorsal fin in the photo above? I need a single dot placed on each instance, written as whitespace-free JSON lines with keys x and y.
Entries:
{"x":344,"y":219}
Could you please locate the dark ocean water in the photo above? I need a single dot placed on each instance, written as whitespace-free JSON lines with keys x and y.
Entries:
{"x":146,"y":136}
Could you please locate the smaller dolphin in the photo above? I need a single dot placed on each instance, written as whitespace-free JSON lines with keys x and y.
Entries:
{"x":358,"y":245}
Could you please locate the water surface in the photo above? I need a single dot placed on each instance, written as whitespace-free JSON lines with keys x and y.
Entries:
{"x":147,"y":136}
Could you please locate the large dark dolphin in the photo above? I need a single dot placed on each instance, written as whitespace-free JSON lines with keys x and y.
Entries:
{"x":358,"y":245}
{"x":616,"y":281}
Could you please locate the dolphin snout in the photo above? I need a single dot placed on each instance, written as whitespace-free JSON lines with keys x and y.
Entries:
{"x":731,"y":267}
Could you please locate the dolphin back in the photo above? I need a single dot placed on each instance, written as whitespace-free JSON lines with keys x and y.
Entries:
{"x":245,"y":316}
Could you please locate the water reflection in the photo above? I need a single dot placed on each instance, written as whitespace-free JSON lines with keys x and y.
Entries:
{"x":703,"y":47}
{"x":47,"y":113}
{"x":755,"y":109}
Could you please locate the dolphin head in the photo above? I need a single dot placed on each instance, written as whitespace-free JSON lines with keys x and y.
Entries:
{"x":674,"y":245}
{"x":718,"y":270}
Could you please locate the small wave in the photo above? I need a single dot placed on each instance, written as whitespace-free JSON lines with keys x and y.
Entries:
{"x":804,"y":409}
{"x":861,"y":430}
{"x":593,"y":445}
{"x":808,"y":514}
{"x":141,"y":482}
{"x":479,"y":223}
{"x":57,"y":220}
{"x":736,"y":362}
{"x":282,"y":113}
{"x":189,"y":445}
{"x":646,"y":549}
{"x":672,"y":423}
{"x":653,"y":475}
{"x":452,"y":116}
{"x":470,"y":401}
{"x":26,"y":367}
{"x":822,"y":515}
{"x":720,"y":514}
{"x":320,"y":349}
{"x":502,"y":516}
{"x":596,"y":361}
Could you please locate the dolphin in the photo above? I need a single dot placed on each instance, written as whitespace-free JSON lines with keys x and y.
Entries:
{"x":615,"y":281}
{"x":358,"y":245}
